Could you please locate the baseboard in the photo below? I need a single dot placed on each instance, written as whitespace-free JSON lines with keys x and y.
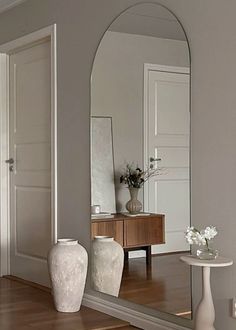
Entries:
{"x":135,"y":318}
{"x":137,"y":254}
{"x":29,"y":283}
{"x":142,"y":254}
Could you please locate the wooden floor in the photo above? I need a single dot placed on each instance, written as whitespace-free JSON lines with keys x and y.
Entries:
{"x":165,"y":286}
{"x":26,"y":308}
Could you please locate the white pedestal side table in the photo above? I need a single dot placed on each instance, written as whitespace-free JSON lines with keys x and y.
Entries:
{"x":205,"y":313}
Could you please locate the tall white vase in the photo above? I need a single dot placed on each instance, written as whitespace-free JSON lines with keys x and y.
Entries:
{"x":68,"y":262}
{"x":107,"y":262}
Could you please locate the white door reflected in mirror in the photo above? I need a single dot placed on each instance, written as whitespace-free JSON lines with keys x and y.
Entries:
{"x":166,"y":132}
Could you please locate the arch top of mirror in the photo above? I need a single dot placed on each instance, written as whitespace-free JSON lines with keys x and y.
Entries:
{"x":140,"y":125}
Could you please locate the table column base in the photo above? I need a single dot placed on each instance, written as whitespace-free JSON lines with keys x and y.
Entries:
{"x":205,"y":313}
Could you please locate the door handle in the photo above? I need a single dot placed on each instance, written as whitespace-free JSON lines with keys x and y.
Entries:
{"x":9,"y":161}
{"x":152,"y":159}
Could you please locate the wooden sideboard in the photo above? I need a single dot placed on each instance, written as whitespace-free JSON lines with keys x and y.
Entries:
{"x":132,"y":233}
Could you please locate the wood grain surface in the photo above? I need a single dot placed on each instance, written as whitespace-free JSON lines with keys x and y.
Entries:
{"x":131,"y":231}
{"x":164,"y":285}
{"x":23,"y":307}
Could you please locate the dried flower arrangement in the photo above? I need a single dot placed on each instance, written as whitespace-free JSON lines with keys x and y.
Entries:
{"x":135,"y":177}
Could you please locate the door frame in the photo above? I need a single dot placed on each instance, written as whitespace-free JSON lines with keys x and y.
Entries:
{"x":5,"y":51}
{"x":161,"y":68}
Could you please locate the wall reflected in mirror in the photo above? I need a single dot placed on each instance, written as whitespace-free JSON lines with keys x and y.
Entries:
{"x":140,"y":112}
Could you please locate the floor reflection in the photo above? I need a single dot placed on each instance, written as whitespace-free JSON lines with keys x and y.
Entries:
{"x":165,"y":285}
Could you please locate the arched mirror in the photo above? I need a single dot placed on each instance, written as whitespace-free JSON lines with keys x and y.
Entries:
{"x":140,"y":151}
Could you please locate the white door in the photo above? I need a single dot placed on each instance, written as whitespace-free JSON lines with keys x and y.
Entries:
{"x":167,"y":136}
{"x":30,"y":174}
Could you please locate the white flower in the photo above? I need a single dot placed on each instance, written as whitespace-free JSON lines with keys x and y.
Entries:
{"x":189,"y":229}
{"x":189,"y":238}
{"x":200,"y":240}
{"x":194,"y":236}
{"x":209,"y":232}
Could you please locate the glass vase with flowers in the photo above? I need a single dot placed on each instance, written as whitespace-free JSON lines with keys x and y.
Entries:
{"x":203,"y":238}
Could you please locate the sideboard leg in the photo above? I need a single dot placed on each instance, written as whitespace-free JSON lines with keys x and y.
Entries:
{"x":126,"y":256}
{"x":148,"y":255}
{"x":205,"y":313}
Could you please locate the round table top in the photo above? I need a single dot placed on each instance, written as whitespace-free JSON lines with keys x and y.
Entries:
{"x":195,"y":261}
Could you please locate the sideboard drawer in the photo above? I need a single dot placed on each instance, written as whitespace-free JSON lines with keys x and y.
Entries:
{"x":144,"y":231}
{"x":109,"y":228}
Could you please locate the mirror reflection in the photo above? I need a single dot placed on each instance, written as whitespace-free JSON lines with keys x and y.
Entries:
{"x":140,"y":131}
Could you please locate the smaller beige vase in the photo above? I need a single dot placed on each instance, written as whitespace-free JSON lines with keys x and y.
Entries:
{"x":107,"y":262}
{"x":134,"y":206}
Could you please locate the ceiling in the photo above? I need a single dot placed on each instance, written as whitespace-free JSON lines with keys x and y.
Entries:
{"x":146,"y":19}
{"x":149,"y":20}
{"x":6,"y":4}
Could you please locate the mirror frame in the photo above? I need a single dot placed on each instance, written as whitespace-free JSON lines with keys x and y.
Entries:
{"x":136,"y":308}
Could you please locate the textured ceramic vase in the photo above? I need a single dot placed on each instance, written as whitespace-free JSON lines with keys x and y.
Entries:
{"x":68,"y":262}
{"x":107,"y":262}
{"x":133,"y":206}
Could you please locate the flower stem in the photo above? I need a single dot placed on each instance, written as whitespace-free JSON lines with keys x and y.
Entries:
{"x":207,"y":244}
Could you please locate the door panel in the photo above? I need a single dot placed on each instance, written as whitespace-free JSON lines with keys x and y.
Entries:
{"x":176,"y":191}
{"x":30,"y":147}
{"x":33,"y":232}
{"x":32,"y":109}
{"x":171,"y":103}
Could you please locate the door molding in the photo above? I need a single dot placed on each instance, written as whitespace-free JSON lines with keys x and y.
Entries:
{"x":161,"y":68}
{"x":5,"y":51}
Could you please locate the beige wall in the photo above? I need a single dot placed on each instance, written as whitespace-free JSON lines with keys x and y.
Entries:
{"x":210,"y":26}
{"x":117,"y":92}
